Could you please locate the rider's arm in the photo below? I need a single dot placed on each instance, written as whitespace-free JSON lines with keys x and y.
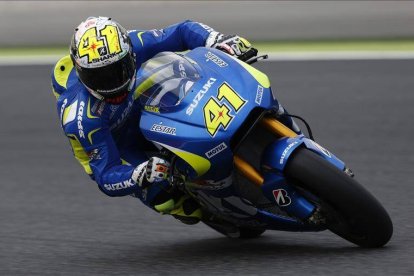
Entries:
{"x":89,"y":135}
{"x":94,"y":148}
{"x":100,"y":158}
{"x":179,"y":37}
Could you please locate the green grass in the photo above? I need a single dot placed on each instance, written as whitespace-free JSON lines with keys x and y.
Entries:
{"x":17,"y":51}
{"x":263,"y":46}
{"x":337,"y":45}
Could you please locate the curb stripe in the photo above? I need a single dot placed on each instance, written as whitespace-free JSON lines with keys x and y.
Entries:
{"x":273,"y":56}
{"x":359,"y":55}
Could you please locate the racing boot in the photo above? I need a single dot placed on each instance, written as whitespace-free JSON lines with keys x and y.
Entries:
{"x":181,"y":206}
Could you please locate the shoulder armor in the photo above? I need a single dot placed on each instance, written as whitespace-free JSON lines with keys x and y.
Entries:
{"x":61,"y":74}
{"x":77,"y":118}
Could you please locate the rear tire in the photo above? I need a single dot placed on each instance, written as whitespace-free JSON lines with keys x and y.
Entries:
{"x":350,"y":211}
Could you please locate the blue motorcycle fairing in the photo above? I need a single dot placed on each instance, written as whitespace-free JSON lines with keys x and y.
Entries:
{"x":242,"y":213}
{"x":324,"y":153}
{"x":184,"y":123}
{"x":281,"y":223}
{"x":276,"y":155}
{"x":277,"y":189}
{"x":182,"y":128}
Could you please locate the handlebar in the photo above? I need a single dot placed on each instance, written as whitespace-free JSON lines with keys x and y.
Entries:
{"x":249,"y":54}
{"x":251,"y":57}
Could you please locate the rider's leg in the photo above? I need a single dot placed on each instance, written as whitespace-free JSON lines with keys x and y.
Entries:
{"x":161,"y":197}
{"x":178,"y":204}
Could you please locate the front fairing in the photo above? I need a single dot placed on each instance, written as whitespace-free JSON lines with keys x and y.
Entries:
{"x":200,"y":126}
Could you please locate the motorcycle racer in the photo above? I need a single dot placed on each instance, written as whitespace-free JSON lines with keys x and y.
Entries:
{"x":94,"y":86}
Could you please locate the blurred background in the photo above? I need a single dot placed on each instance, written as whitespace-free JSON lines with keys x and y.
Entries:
{"x":46,"y":23}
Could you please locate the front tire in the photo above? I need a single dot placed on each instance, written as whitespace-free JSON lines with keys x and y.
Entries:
{"x":350,"y":211}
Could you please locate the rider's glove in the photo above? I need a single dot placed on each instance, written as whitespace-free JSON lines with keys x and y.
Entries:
{"x":230,"y":44}
{"x":157,"y":169}
{"x":154,"y":170}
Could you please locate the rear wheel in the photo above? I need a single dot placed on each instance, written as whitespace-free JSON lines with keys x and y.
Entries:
{"x":350,"y":211}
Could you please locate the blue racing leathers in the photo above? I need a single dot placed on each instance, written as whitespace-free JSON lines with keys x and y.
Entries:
{"x":105,"y":138}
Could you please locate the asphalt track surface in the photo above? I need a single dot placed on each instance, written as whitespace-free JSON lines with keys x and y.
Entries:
{"x":54,"y":220}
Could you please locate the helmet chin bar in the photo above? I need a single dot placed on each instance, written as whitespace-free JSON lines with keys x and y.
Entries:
{"x":101,"y":98}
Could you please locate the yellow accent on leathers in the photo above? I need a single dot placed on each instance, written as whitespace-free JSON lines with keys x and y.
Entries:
{"x":171,"y":207}
{"x":88,"y":111}
{"x":80,"y":153}
{"x":62,"y":70}
{"x":91,"y":133}
{"x":55,"y":93}
{"x":140,"y":38}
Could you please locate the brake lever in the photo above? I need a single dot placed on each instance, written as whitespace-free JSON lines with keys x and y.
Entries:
{"x":256,"y":59}
{"x":248,"y":55}
{"x":175,"y":179}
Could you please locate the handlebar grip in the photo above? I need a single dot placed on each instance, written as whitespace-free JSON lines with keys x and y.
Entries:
{"x":249,"y":54}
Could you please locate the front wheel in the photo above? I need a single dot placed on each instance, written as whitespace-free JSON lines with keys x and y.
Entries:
{"x":350,"y":211}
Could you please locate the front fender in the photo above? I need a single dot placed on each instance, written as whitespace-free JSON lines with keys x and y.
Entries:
{"x":276,"y":155}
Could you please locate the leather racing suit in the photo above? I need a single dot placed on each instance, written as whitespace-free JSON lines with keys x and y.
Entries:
{"x":105,"y":138}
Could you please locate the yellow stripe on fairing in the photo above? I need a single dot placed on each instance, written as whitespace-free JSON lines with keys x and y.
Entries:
{"x":62,"y":76}
{"x":80,"y":153}
{"x":261,"y":78}
{"x":198,"y":163}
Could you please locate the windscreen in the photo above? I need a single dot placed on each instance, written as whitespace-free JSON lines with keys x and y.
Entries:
{"x":165,"y":80}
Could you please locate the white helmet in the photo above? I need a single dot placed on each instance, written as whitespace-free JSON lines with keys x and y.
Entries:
{"x":102,"y":54}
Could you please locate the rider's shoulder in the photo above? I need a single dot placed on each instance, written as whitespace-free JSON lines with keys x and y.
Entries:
{"x":63,"y":76}
{"x":79,"y":115}
{"x":140,"y":38}
{"x":136,"y":37}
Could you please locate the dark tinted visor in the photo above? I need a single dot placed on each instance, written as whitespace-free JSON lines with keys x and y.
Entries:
{"x":110,"y":80}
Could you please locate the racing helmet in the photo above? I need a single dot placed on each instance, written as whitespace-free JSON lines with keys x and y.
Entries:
{"x":101,"y":52}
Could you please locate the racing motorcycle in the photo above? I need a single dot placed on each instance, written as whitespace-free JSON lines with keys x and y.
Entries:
{"x":225,"y":133}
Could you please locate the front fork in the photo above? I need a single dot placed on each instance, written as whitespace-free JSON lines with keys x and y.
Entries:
{"x":273,"y":182}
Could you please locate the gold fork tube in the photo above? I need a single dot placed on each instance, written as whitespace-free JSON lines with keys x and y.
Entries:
{"x":277,"y":127}
{"x":248,"y":171}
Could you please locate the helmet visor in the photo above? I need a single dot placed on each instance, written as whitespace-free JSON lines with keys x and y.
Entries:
{"x":110,"y":80}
